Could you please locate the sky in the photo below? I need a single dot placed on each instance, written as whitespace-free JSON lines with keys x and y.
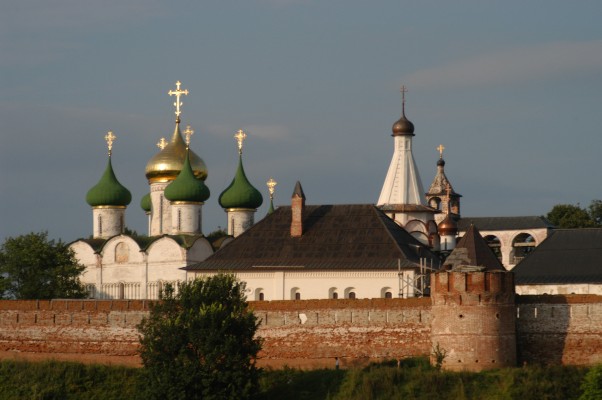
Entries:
{"x":512,"y":89}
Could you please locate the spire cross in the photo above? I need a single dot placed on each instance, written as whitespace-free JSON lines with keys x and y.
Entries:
{"x":110,"y":138}
{"x":178,"y":93}
{"x":440,"y":148}
{"x":403,"y":99}
{"x":240,"y":138}
{"x":188,"y":132}
{"x":271,"y":185}
{"x":162,"y":143}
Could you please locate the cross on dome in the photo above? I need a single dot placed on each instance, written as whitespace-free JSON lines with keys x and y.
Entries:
{"x":162,"y":143}
{"x":403,"y":99}
{"x":271,"y":183}
{"x":178,"y":93}
{"x":110,"y":138}
{"x":188,"y":133}
{"x":440,"y":148}
{"x":240,"y":138}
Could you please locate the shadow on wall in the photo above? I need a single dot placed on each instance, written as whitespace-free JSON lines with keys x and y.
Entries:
{"x":542,"y":329}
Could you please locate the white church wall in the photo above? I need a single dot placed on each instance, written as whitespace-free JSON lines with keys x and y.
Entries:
{"x":573,"y":288}
{"x":200,"y":250}
{"x":85,"y":255}
{"x":284,"y":285}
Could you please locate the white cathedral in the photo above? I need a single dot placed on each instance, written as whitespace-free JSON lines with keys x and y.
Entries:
{"x":295,"y":252}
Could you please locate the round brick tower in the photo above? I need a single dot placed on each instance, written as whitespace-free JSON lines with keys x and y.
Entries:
{"x":473,"y":309}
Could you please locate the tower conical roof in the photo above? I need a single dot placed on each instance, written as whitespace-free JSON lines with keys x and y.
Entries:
{"x":167,"y":164}
{"x":186,"y":187}
{"x":240,"y":193}
{"x":440,"y":182}
{"x":108,"y":191}
{"x":472,"y":250}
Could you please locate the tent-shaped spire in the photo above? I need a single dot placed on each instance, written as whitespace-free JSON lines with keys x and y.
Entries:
{"x":472,"y":251}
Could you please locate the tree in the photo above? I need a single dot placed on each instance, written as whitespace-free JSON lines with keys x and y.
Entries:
{"x":592,"y":384}
{"x":570,"y":216}
{"x":33,"y":267}
{"x":198,"y":343}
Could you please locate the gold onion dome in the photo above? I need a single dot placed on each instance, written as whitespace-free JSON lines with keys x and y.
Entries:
{"x":166,"y":165}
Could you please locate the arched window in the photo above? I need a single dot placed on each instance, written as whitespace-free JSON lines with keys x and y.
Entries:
{"x":494,"y":244}
{"x":522,"y":245}
{"x":100,"y":224}
{"x":350,"y":293}
{"x":179,"y":219}
{"x":259,"y":296}
{"x":386,"y":292}
{"x":295,"y":294}
{"x":435,"y":202}
{"x":333,"y":293}
{"x":121,"y":291}
{"x":388,"y":295}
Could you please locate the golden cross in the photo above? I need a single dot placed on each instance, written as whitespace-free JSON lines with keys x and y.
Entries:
{"x":110,"y":138}
{"x":178,"y":93}
{"x":271,"y":185}
{"x":162,"y":143}
{"x":188,"y":132}
{"x":240,"y":137}
{"x":440,"y":148}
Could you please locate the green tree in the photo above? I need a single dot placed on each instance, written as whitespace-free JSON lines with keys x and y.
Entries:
{"x":592,"y":384}
{"x":595,"y":211}
{"x":199,"y":342}
{"x":34,"y":267}
{"x":570,"y":216}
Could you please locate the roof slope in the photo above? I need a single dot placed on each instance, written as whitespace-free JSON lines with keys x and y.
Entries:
{"x":472,"y":250}
{"x":504,"y":223}
{"x":334,"y":237}
{"x":566,"y":256}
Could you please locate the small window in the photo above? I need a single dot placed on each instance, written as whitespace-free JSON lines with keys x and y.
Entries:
{"x":352,"y":295}
{"x":388,"y":295}
{"x":297,"y":296}
{"x":261,"y":296}
{"x":335,"y":295}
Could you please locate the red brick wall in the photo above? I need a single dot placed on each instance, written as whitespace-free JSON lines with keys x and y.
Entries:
{"x":555,"y":329}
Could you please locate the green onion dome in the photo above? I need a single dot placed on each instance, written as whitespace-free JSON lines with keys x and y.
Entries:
{"x":145,"y":203}
{"x":108,"y":191}
{"x":240,"y":193}
{"x":186,"y":187}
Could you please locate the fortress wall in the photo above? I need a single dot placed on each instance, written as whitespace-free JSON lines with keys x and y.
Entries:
{"x":559,"y":329}
{"x":550,"y":329}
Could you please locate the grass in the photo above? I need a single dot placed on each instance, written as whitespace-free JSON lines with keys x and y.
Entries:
{"x":413,"y":379}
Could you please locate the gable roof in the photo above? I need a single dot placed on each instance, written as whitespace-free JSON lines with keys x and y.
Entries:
{"x":504,"y":223}
{"x":566,"y":256}
{"x":334,"y":237}
{"x":473,"y":251}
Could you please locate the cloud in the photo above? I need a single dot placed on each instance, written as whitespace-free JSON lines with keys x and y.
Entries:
{"x":547,"y":61}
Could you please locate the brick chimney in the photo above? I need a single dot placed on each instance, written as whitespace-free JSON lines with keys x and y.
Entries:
{"x":297,"y":206}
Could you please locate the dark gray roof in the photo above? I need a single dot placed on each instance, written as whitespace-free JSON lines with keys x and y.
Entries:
{"x":566,"y":256}
{"x":504,"y":223}
{"x":334,"y":237}
{"x":472,"y":250}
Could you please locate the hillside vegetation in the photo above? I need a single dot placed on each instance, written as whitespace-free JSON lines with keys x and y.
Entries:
{"x":412,"y":379}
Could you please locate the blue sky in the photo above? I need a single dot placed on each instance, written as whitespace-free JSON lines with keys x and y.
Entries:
{"x":512,"y":89}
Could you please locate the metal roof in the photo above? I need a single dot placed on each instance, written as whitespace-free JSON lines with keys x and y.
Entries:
{"x":566,"y":256}
{"x":504,"y":223}
{"x":334,"y":237}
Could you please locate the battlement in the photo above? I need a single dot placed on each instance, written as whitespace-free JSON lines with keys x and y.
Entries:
{"x":472,"y":288}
